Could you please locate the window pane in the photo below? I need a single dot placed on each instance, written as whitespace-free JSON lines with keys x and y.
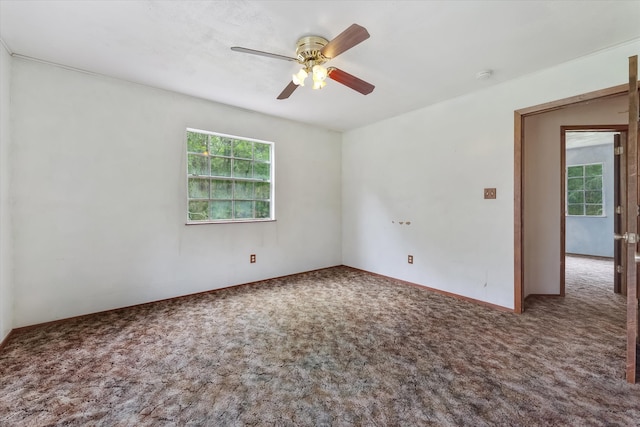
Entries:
{"x":595,"y":210}
{"x":591,"y":170}
{"x":263,"y":190}
{"x":244,"y":209}
{"x":585,"y":190}
{"x":220,"y":166}
{"x":575,"y":209}
{"x":220,"y":209}
{"x":261,"y":152}
{"x":575,"y":197}
{"x":243,"y":149}
{"x":593,"y":197}
{"x":198,"y":165}
{"x":575,"y":184}
{"x":227,"y":178}
{"x":575,"y":171}
{"x":262,"y":210}
{"x":220,"y":189}
{"x":198,"y":211}
{"x":593,"y":183}
{"x":243,"y":190}
{"x":219,"y":146}
{"x":198,"y":188}
{"x":242,"y":168}
{"x":196,"y":142}
{"x":262,"y":171}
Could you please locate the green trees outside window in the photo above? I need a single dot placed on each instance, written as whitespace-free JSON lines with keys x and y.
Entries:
{"x":228,"y":178}
{"x":584,"y":190}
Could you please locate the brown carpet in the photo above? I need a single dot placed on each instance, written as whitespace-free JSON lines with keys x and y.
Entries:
{"x":334,"y":347}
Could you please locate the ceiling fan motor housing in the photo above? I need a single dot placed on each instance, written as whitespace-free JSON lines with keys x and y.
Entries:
{"x":308,"y":50}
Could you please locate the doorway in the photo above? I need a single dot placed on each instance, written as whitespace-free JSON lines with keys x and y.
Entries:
{"x":543,"y":200}
{"x":591,"y":198}
{"x":537,"y":169}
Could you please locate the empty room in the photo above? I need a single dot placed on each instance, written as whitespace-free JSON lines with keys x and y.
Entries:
{"x":317,"y":213}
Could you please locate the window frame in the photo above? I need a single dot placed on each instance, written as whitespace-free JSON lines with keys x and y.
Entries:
{"x":584,"y":190}
{"x":230,"y":178}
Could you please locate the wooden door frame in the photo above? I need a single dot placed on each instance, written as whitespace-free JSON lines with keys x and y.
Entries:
{"x":633,"y":220}
{"x":563,"y":192}
{"x":519,"y":116}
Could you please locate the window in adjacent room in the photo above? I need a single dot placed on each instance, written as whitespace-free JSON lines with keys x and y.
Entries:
{"x":229,"y":178}
{"x":584,"y":190}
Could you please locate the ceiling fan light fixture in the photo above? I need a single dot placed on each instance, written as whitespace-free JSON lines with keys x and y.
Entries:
{"x":319,"y":76}
{"x":298,"y":79}
{"x":319,"y":72}
{"x":319,"y":84}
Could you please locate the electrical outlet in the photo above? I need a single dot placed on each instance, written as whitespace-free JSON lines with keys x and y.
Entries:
{"x":252,"y":258}
{"x":489,"y":193}
{"x":410,"y":259}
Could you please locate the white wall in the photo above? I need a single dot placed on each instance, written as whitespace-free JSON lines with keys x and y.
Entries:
{"x":430,"y":167}
{"x":100,"y":196}
{"x":6,"y":267}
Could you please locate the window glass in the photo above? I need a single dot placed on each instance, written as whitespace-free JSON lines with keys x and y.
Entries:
{"x":228,"y":178}
{"x":584,"y":190}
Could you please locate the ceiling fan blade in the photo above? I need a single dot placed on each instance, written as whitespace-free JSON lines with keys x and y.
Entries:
{"x":288,"y":90}
{"x":261,"y":53}
{"x":351,"y":81}
{"x":347,"y":39}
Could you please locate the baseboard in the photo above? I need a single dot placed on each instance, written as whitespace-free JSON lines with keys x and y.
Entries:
{"x":112,"y":310}
{"x":544,"y":295}
{"x":439,"y":291}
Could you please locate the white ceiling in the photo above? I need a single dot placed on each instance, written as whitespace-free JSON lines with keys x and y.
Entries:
{"x":419,"y":53}
{"x":580,"y":139}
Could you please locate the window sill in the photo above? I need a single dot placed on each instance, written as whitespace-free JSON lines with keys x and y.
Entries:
{"x":230,"y":222}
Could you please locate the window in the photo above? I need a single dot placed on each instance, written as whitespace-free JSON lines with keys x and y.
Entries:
{"x":229,"y":179}
{"x":584,"y":190}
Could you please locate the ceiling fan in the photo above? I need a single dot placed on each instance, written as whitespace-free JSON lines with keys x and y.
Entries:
{"x":312,"y":52}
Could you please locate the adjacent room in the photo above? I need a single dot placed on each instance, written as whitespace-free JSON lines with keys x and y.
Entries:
{"x":309,"y":213}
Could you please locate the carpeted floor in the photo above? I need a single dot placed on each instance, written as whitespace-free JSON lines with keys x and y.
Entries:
{"x":336,"y":347}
